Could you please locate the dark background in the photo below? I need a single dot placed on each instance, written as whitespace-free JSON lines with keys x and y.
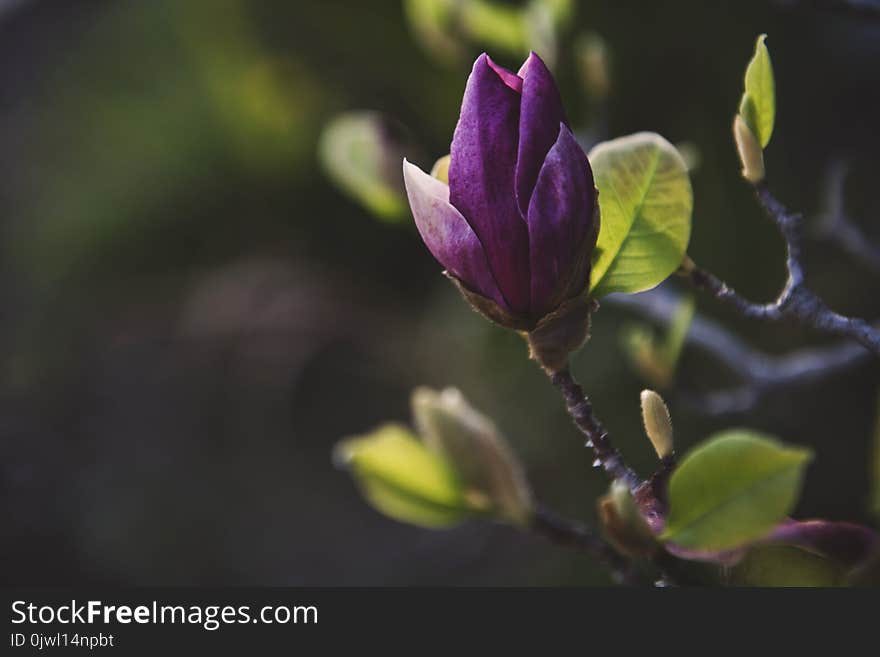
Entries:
{"x":192,"y":314}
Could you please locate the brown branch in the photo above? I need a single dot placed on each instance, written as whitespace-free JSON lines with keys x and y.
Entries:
{"x":796,"y":300}
{"x":837,"y":227}
{"x":573,"y":534}
{"x":758,"y":373}
{"x":581,"y":410}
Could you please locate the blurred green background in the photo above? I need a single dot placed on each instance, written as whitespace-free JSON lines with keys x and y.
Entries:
{"x":193,"y":314}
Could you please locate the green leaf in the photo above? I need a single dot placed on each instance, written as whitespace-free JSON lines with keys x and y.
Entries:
{"x":646,"y":201}
{"x":733,"y":489}
{"x":758,"y":104}
{"x":786,"y":565}
{"x":405,"y":480}
{"x":360,"y":153}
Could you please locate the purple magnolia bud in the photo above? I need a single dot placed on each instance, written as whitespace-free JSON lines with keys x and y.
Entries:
{"x":517,"y":223}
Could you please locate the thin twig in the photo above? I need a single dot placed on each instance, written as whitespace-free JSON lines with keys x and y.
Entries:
{"x":573,"y":534}
{"x":838,"y":228}
{"x":796,"y":300}
{"x":581,"y":411}
{"x":758,"y":372}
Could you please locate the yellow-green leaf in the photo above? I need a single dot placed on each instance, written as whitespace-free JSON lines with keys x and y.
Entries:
{"x":405,"y":480}
{"x":494,"y":24}
{"x":646,"y":201}
{"x":733,"y":489}
{"x":451,"y":427}
{"x":362,"y":156}
{"x":758,"y":104}
{"x":788,"y":566}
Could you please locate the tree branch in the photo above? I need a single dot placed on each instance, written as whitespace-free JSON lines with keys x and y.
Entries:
{"x":581,"y":411}
{"x":757,"y":371}
{"x":796,"y":300}
{"x":572,"y":534}
{"x":838,"y":228}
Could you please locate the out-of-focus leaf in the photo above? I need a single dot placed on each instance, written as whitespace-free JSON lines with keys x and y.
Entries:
{"x":786,"y":565}
{"x":495,"y":25}
{"x":646,"y":201}
{"x":676,"y":335}
{"x":637,"y":343}
{"x":654,"y":358}
{"x":545,"y":21}
{"x":404,"y":479}
{"x":361,"y":154}
{"x":866,"y":574}
{"x":540,"y":32}
{"x":758,"y":104}
{"x":733,"y":489}
{"x":560,"y":11}
{"x":433,"y":22}
{"x":591,"y":52}
{"x":444,"y":27}
{"x":450,"y":426}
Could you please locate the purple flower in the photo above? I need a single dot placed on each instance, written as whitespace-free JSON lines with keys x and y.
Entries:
{"x":517,"y":223}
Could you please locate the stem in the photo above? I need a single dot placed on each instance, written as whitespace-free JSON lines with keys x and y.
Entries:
{"x":581,"y":411}
{"x":796,"y":300}
{"x":572,"y":534}
{"x":649,"y":495}
{"x":659,"y":482}
{"x":838,"y":228}
{"x":759,"y":373}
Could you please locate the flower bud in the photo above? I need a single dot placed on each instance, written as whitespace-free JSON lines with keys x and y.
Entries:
{"x":516,"y":225}
{"x":623,"y":523}
{"x":751,"y":155}
{"x":451,"y":427}
{"x":658,"y":424}
{"x":440,"y":170}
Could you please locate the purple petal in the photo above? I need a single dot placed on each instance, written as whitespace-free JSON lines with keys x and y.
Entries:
{"x":447,"y":235}
{"x":541,"y":113}
{"x":509,"y":78}
{"x":723,"y":557}
{"x":481,"y":179}
{"x":560,"y":216}
{"x":842,"y":541}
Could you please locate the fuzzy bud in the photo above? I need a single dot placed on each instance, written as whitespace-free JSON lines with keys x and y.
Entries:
{"x":451,"y":427}
{"x":751,"y":155}
{"x":658,"y":424}
{"x":623,"y":523}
